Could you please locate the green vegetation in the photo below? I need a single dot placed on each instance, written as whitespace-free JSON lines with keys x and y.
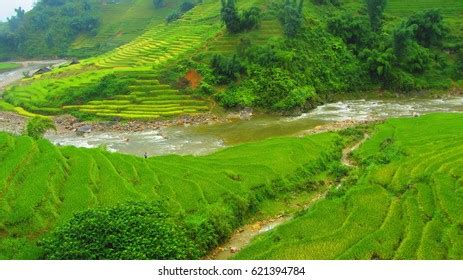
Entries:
{"x":312,"y":50}
{"x":43,"y":186}
{"x":403,"y":202}
{"x":5,"y":67}
{"x":236,"y":22}
{"x":49,"y":29}
{"x":38,"y":126}
{"x":140,"y":231}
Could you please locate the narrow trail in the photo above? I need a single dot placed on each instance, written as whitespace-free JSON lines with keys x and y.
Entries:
{"x":243,"y":236}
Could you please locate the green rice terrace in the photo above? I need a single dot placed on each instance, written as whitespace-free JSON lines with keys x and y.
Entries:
{"x":400,"y":200}
{"x":43,"y":185}
{"x":139,"y":60}
{"x":403,"y":202}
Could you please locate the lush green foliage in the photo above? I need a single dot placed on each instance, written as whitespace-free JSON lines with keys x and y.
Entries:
{"x":135,"y":231}
{"x":44,"y":186}
{"x":38,"y":126}
{"x":159,"y":3}
{"x":404,"y":202}
{"x":293,"y":74}
{"x":236,"y":22}
{"x":291,"y":16}
{"x":49,"y":29}
{"x":184,"y":7}
{"x":108,"y":86}
{"x":375,"y":10}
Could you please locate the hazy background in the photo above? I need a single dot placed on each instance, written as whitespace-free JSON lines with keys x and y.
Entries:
{"x":7,"y":7}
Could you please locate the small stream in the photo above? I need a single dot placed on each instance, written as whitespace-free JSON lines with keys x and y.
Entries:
{"x":204,"y":139}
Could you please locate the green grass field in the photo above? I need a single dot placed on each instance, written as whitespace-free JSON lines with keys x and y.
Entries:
{"x":6,"y":66}
{"x":404,"y":203}
{"x":42,"y":186}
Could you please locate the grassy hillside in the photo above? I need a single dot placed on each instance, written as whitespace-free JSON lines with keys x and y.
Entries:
{"x":42,"y":186}
{"x":404,"y":202}
{"x":305,"y":70}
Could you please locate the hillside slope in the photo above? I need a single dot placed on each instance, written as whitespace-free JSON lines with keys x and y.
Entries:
{"x":404,"y":201}
{"x":42,"y":185}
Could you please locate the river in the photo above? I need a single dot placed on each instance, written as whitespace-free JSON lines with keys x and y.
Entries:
{"x":204,"y":139}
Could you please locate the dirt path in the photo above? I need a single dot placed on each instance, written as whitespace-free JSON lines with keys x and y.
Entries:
{"x":244,"y":235}
{"x":346,"y":153}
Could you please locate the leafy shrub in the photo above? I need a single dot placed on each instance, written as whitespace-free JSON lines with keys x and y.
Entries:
{"x":38,"y":126}
{"x":106,"y":87}
{"x":428,"y":27}
{"x":355,"y":31}
{"x":291,"y":16}
{"x":236,"y":22}
{"x":226,"y":69}
{"x":159,"y":3}
{"x":184,"y":7}
{"x":142,"y":231}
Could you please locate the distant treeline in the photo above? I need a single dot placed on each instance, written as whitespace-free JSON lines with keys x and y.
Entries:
{"x":48,"y":29}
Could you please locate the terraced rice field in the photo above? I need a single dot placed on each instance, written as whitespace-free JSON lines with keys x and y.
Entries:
{"x":162,"y":42}
{"x":148,"y":99}
{"x":226,"y":43}
{"x":42,"y":185}
{"x":39,"y":95}
{"x":405,"y":204}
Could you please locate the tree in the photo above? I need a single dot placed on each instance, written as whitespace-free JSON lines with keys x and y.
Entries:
{"x":230,"y":16}
{"x":159,"y":3}
{"x":355,"y":31}
{"x":38,"y":126}
{"x":428,"y":28}
{"x":15,"y":21}
{"x":235,"y":22}
{"x":375,"y":9}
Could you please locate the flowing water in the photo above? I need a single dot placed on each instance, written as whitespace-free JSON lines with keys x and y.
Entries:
{"x":204,"y":139}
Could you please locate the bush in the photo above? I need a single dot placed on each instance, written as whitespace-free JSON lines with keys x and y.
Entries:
{"x":38,"y":126}
{"x":428,"y":27}
{"x":236,"y":22}
{"x":354,"y":31}
{"x":291,"y":17}
{"x":142,"y":231}
{"x":184,"y":7}
{"x":106,"y":87}
{"x":159,"y":3}
{"x":226,"y":69}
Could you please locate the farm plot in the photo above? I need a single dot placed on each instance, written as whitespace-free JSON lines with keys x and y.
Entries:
{"x":406,"y":202}
{"x":42,"y":186}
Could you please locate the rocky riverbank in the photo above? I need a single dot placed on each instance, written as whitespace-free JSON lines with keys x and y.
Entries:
{"x":66,"y":124}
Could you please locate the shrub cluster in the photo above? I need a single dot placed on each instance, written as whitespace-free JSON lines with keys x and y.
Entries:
{"x":236,"y":22}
